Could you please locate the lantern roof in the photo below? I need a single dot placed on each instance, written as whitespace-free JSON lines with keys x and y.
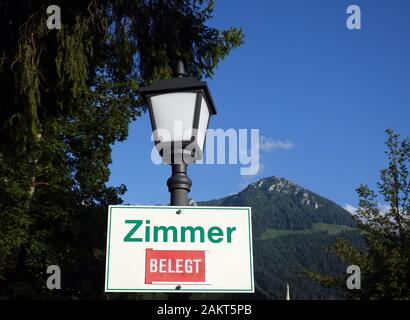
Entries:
{"x":180,"y":84}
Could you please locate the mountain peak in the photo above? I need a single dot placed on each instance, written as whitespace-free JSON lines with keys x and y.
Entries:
{"x":275,"y":183}
{"x":284,"y":186}
{"x":286,"y":204}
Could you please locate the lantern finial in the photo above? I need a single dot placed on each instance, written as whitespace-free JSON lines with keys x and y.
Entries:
{"x":180,"y":71}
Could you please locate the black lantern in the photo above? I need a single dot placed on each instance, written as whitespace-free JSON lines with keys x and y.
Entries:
{"x":180,"y":109}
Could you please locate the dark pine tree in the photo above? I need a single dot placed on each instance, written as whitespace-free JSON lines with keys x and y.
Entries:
{"x":66,"y":96}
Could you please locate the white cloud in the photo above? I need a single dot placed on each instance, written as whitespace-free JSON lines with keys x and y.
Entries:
{"x":384,"y":208}
{"x":268,"y":144}
{"x":350,"y":208}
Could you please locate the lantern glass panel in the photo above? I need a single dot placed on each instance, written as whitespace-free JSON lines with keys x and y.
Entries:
{"x":203,"y":124}
{"x":174,"y":112}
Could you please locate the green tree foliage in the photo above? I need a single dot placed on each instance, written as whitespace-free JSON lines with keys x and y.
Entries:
{"x":385,"y":265}
{"x":67,"y":96}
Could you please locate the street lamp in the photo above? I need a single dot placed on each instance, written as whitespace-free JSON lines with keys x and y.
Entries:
{"x":179,"y":109}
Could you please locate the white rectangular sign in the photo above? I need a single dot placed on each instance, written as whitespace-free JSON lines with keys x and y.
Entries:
{"x":179,"y":249}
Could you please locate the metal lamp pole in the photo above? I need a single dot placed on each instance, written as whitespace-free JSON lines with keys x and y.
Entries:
{"x":179,"y":184}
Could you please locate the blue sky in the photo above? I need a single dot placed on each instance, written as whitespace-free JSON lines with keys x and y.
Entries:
{"x":301,"y":77}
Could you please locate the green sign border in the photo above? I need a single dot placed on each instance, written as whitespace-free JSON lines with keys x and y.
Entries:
{"x":251,"y":290}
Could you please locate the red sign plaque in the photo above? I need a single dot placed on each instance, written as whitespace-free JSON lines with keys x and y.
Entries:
{"x":174,"y":266}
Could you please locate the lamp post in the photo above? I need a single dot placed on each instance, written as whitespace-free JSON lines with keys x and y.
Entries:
{"x":180,"y":109}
